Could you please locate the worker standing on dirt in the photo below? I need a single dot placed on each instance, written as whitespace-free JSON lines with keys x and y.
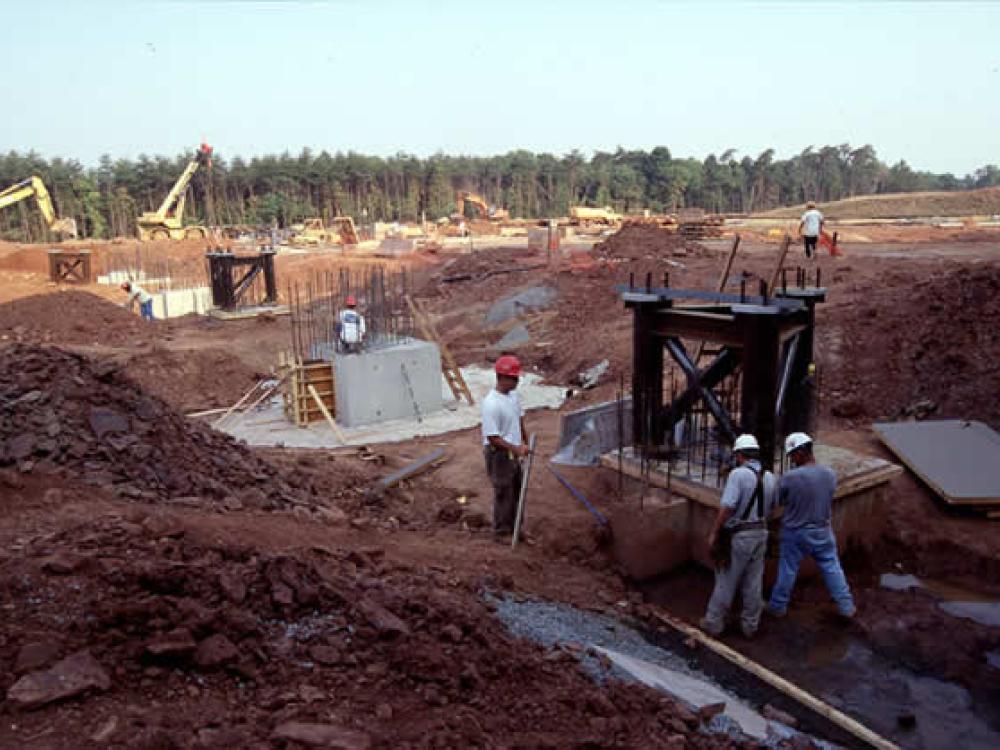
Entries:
{"x":137,"y":293}
{"x":351,"y":326}
{"x":806,"y":493}
{"x":739,"y":538}
{"x":810,"y":228}
{"x":504,"y":443}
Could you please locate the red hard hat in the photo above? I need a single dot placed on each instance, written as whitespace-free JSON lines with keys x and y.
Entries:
{"x":508,"y":364}
{"x":351,"y":302}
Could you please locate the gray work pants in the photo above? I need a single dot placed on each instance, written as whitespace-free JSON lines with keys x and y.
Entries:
{"x":504,"y":471}
{"x":744,"y":574}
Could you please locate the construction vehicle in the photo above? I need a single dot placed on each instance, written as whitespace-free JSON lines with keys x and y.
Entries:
{"x":485,"y":211}
{"x":34,"y":187}
{"x":167,"y":222}
{"x":585,"y":215}
{"x":314,"y":232}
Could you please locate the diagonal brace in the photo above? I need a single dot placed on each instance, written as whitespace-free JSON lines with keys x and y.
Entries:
{"x":700,"y":385}
{"x":242,"y":285}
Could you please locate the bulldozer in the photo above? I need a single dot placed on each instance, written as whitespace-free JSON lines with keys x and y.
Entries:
{"x":34,"y":187}
{"x":585,"y":216}
{"x":167,"y":222}
{"x":314,"y":232}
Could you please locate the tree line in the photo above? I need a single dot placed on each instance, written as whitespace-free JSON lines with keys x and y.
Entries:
{"x":283,"y":189}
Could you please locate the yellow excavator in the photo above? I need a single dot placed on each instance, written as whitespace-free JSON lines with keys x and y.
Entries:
{"x":34,"y":187}
{"x":484,"y":210}
{"x":167,"y":222}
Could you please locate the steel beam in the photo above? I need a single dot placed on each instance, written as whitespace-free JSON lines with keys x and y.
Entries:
{"x":700,"y":389}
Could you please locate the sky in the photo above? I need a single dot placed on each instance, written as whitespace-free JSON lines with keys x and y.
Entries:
{"x":918,"y":80}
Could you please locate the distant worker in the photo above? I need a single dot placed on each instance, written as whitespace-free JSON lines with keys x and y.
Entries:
{"x":739,"y":539}
{"x":504,"y":443}
{"x":145,"y":299}
{"x":352,"y":326}
{"x":806,"y":493}
{"x":811,"y":227}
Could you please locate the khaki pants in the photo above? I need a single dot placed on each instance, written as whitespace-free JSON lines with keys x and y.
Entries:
{"x":505,"y":475}
{"x":744,"y":574}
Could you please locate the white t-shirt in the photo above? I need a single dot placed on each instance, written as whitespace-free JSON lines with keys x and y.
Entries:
{"x":811,"y":221}
{"x":502,"y":416}
{"x":352,"y":326}
{"x":136,"y":292}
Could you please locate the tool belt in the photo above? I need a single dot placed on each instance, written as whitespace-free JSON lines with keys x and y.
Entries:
{"x":722,"y":550}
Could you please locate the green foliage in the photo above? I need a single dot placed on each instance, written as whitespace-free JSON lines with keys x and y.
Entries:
{"x":282,"y":188}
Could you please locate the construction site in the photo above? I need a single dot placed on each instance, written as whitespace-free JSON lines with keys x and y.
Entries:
{"x":391,"y":376}
{"x":221,"y":529}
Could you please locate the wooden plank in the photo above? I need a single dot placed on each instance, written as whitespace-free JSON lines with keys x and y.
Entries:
{"x":782,"y":252}
{"x":452,"y":372}
{"x":237,"y":405}
{"x":326,"y":414}
{"x":828,"y":712}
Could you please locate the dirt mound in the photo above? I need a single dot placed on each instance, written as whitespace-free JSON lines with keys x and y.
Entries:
{"x":924,"y":349}
{"x":191,"y":380}
{"x":164,"y":642}
{"x":981,"y":202}
{"x":65,"y":413}
{"x":636,"y":242}
{"x":72,"y":317}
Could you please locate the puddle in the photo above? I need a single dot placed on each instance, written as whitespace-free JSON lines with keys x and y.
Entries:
{"x":954,"y":600}
{"x":878,"y":692}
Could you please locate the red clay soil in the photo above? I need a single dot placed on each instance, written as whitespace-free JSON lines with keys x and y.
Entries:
{"x":64,"y":413}
{"x":635,"y":242}
{"x":134,"y":634}
{"x":914,"y":345}
{"x":73,"y":317}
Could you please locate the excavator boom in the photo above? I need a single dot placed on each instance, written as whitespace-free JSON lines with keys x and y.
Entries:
{"x":34,"y":187}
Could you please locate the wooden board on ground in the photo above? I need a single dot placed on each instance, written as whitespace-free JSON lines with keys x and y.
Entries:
{"x":959,"y":460}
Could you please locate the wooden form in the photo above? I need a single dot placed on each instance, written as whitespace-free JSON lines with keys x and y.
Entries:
{"x":810,"y":701}
{"x":325,"y":412}
{"x":449,"y":367}
{"x":69,"y":266}
{"x":300,"y":405}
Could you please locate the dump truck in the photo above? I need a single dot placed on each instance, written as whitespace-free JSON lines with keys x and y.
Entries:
{"x":33,"y":187}
{"x":167,"y":222}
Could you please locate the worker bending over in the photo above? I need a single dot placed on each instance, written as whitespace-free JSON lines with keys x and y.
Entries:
{"x":806,"y":493}
{"x":137,"y":293}
{"x":504,"y":443}
{"x":738,"y":540}
{"x":810,"y":228}
{"x":352,"y":326}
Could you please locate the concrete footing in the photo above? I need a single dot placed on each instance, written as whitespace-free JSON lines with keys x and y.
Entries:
{"x":399,"y":381}
{"x":663,"y":534}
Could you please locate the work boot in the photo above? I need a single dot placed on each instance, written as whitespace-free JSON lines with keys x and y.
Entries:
{"x":778,"y":614}
{"x":710,"y":628}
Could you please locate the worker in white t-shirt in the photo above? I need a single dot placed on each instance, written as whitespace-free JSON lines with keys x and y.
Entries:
{"x":137,"y":294}
{"x":352,"y":326}
{"x":811,"y":227}
{"x":504,"y":443}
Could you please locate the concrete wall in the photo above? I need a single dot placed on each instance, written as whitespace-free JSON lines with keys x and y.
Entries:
{"x":371,"y":387}
{"x":178,"y":302}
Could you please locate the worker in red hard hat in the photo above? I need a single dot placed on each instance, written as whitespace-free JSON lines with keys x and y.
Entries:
{"x":504,"y":443}
{"x":351,"y":326}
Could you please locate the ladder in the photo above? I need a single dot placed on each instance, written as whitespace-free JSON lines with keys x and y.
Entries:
{"x":449,"y":367}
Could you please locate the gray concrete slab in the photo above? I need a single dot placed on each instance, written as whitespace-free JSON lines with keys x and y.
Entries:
{"x":394,"y":382}
{"x":959,"y":460}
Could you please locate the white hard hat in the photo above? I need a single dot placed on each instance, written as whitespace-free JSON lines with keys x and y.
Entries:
{"x":746,"y":442}
{"x":795,"y":441}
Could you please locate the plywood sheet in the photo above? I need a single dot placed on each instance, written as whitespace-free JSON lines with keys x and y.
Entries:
{"x":957,"y":459}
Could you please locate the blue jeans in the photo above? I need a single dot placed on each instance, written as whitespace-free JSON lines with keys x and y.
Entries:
{"x":820,"y":544}
{"x":146,"y":310}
